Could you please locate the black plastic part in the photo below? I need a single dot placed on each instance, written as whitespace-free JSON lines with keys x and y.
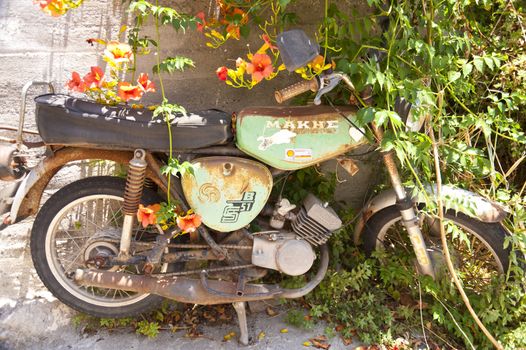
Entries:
{"x":402,"y":107}
{"x":66,"y":120}
{"x":404,"y":204}
{"x":296,"y":49}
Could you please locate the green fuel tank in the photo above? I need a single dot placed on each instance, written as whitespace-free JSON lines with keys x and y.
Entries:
{"x":291,"y":138}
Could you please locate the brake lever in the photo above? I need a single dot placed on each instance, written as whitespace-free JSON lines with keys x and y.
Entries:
{"x":327,"y":83}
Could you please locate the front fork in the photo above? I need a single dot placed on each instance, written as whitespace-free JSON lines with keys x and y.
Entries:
{"x":405,"y":204}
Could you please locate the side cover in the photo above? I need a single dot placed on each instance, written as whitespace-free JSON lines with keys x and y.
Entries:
{"x":291,"y":138}
{"x":227,"y":192}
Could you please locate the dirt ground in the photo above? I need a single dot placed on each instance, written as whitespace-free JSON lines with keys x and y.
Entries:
{"x":31,"y":318}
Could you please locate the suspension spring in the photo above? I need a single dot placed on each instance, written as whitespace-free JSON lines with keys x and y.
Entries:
{"x":148,"y":183}
{"x":134,"y":182}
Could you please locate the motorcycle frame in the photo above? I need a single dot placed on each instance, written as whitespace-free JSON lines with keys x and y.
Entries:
{"x":29,"y":194}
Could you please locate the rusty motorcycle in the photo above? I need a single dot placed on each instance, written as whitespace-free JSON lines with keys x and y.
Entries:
{"x":93,"y":255}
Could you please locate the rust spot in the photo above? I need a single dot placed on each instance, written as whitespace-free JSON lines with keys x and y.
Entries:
{"x":303,"y":119}
{"x":349,"y":165}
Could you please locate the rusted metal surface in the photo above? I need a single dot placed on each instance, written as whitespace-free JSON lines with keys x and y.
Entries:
{"x":22,"y":116}
{"x":189,"y":255}
{"x":291,"y":138}
{"x":11,"y":166}
{"x":28,"y":197}
{"x":484,"y":209}
{"x":194,"y":291}
{"x":295,"y":112}
{"x":227,"y":192}
{"x":181,"y":289}
{"x":134,"y":182}
{"x":390,"y":165}
{"x":348,"y":165}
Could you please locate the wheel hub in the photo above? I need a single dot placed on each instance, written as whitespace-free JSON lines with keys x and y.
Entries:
{"x":97,"y":254}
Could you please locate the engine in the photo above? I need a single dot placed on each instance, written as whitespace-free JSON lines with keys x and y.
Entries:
{"x":291,"y":251}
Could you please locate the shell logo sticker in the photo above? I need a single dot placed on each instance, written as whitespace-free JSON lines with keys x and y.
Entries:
{"x":298,"y":154}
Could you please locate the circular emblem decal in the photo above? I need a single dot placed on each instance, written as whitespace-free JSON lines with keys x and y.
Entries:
{"x":209,"y":193}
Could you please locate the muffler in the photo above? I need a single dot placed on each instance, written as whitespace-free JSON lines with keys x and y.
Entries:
{"x":201,"y":291}
{"x":198,"y":291}
{"x":178,"y":288}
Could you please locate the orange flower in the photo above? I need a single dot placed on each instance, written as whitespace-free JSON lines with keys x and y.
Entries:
{"x":189,"y":222}
{"x":145,"y":84}
{"x":238,"y":16}
{"x":148,"y":216}
{"x":76,"y":84}
{"x":260,"y":67}
{"x":54,"y":8}
{"x":222,"y":73}
{"x":235,"y":19}
{"x":267,"y":41}
{"x":128,"y":91}
{"x":234,"y":31}
{"x":117,"y":53}
{"x":202,"y":23}
{"x":94,"y":78}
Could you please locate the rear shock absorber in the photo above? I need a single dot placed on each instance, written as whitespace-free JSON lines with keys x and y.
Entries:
{"x":132,"y":198}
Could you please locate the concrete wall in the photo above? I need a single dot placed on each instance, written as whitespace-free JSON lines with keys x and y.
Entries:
{"x":34,"y":46}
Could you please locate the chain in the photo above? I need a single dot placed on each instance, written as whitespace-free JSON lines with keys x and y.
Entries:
{"x":183,"y":246}
{"x":193,"y":272}
{"x":206,"y":246}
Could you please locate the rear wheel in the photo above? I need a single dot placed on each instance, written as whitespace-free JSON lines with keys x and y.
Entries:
{"x":81,"y":221}
{"x":477,"y":248}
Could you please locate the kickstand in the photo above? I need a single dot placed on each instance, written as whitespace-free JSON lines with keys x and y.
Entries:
{"x":242,"y":319}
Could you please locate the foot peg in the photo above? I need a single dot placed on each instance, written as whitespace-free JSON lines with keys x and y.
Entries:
{"x":242,"y":319}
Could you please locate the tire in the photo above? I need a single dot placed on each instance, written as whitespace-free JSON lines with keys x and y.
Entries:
{"x":51,"y":243}
{"x":488,"y":238}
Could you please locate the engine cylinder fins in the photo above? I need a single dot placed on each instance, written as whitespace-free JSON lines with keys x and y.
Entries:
{"x":315,"y":221}
{"x":134,"y":182}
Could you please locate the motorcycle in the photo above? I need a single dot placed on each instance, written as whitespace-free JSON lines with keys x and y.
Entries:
{"x":93,"y":255}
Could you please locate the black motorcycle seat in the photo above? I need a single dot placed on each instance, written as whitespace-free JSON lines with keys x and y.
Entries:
{"x":66,"y":120}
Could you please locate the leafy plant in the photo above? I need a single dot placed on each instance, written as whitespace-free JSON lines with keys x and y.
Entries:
{"x":147,"y":328}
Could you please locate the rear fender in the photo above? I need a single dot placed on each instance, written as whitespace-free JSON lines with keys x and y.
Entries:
{"x":29,"y":194}
{"x":483,"y":209}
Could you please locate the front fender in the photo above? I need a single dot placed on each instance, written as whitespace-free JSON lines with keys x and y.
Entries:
{"x":483,"y":209}
{"x":28,"y":196}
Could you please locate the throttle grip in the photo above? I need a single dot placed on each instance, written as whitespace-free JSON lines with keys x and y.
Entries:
{"x":296,"y":89}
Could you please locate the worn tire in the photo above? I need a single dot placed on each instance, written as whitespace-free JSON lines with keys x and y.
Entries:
{"x":492,"y":235}
{"x":56,"y":281}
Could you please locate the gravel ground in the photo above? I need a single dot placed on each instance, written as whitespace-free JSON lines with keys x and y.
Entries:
{"x":31,"y":318}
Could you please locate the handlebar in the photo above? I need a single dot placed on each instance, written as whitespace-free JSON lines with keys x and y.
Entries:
{"x":296,"y":89}
{"x":323,"y":85}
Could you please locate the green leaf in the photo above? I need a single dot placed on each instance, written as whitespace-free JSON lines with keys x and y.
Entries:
{"x":452,"y":76}
{"x":171,"y":64}
{"x":479,"y":63}
{"x":489,"y":62}
{"x":467,"y":69}
{"x":380,"y":79}
{"x":381,"y":117}
{"x":284,"y":3}
{"x":244,"y":31}
{"x":366,"y":115}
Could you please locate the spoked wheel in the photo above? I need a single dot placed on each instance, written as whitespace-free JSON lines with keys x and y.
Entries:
{"x":79,"y":224}
{"x":477,"y":248}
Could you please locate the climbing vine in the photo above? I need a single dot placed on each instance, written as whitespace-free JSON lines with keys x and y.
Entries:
{"x":462,"y":66}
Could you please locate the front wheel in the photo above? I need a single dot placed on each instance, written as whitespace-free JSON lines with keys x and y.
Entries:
{"x":477,"y":248}
{"x":82,"y":220}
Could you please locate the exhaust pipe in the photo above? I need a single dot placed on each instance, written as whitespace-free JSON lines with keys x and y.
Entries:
{"x":197,"y":291}
{"x":181,"y":289}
